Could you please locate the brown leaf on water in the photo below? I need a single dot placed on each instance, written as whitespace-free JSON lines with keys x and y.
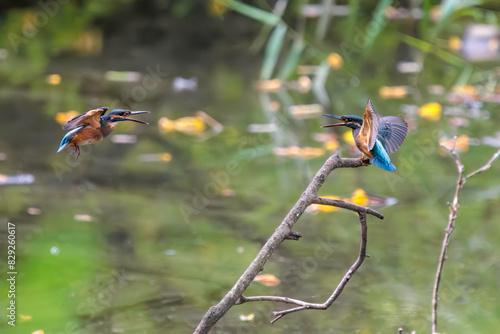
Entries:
{"x":267,"y":280}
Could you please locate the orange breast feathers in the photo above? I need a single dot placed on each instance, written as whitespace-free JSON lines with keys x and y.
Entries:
{"x":88,"y":135}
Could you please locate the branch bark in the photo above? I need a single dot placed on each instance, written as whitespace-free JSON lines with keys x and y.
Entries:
{"x":452,"y":216}
{"x":283,"y":232}
{"x":340,"y":287}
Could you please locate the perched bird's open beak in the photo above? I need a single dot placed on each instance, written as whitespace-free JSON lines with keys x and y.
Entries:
{"x":332,"y":125}
{"x":125,"y":118}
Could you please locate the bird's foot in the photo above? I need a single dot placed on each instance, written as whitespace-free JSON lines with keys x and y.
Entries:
{"x":365,"y":162}
{"x":76,"y":149}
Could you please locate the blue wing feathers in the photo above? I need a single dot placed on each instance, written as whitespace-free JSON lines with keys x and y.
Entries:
{"x":67,"y":138}
{"x":392,"y":133}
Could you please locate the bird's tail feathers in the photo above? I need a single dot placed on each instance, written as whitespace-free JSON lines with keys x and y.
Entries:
{"x":67,"y":138}
{"x":64,"y":143}
{"x":387,"y":165}
{"x":381,"y":158}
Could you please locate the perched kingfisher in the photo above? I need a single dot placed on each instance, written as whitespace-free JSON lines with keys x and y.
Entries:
{"x":93,"y":126}
{"x":375,"y":137}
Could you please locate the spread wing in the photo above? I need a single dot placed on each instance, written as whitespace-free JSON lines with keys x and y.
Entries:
{"x":90,"y":118}
{"x":392,"y":132}
{"x":369,"y":129}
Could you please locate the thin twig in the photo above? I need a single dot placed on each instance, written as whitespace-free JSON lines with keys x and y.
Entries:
{"x":283,"y":231}
{"x":486,"y":165}
{"x":454,"y":206}
{"x":347,"y":205}
{"x":446,"y":239}
{"x":340,"y":287}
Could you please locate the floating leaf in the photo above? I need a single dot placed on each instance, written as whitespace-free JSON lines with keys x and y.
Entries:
{"x":331,"y":145}
{"x":267,"y":280}
{"x":306,"y":110}
{"x":359,"y":197}
{"x":393,"y":92}
{"x":53,"y":79}
{"x":430,"y":111}
{"x":335,"y":61}
{"x":461,"y":144}
{"x":63,"y":117}
{"x":249,"y":317}
{"x":83,"y":218}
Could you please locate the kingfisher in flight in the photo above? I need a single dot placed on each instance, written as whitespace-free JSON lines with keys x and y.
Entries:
{"x":93,"y":126}
{"x":374,"y":136}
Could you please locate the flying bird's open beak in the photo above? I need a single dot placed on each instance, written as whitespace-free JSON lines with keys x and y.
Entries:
{"x":125,"y":118}
{"x":332,"y":125}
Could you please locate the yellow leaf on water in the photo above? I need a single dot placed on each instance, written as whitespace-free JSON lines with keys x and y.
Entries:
{"x":63,"y":117}
{"x":455,"y":43}
{"x":165,"y":156}
{"x":359,"y":197}
{"x":335,"y":61}
{"x":331,"y":145}
{"x":190,"y":125}
{"x":166,"y":125}
{"x":430,"y":111}
{"x":216,"y":8}
{"x":53,"y":79}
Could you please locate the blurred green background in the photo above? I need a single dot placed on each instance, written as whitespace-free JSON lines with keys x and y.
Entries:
{"x":143,"y":234}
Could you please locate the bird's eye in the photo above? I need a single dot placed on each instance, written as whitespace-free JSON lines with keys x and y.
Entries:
{"x":121,"y":113}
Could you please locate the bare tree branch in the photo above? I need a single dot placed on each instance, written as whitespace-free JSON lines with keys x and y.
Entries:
{"x":340,"y":287}
{"x":486,"y":166}
{"x":347,"y":205}
{"x":452,"y":216}
{"x":283,"y":232}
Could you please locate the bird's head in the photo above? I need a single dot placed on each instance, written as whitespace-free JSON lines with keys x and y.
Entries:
{"x":120,"y":115}
{"x":351,"y":121}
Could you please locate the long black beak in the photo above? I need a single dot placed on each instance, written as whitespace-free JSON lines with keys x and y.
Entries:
{"x":332,"y":125}
{"x":135,"y":120}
